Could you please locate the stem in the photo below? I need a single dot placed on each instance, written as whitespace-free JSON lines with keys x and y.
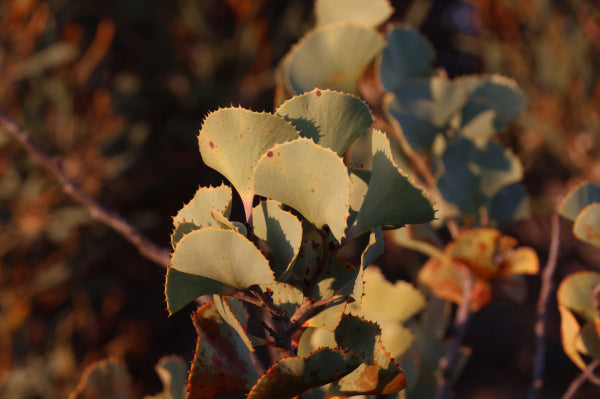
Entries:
{"x":542,"y":309}
{"x":581,"y":378}
{"x":147,"y":248}
{"x":461,"y":323}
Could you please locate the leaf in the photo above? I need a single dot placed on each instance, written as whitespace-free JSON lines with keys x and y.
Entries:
{"x":443,"y":277}
{"x":575,"y":294}
{"x":385,"y":300}
{"x":477,"y":249}
{"x":106,"y":379}
{"x":578,"y":198}
{"x":494,"y":101}
{"x":378,"y":374}
{"x":366,"y":12}
{"x":198,"y":210}
{"x":284,"y":295}
{"x":182,"y":288}
{"x":473,"y":173}
{"x":224,"y":256}
{"x":232,"y":140}
{"x":408,"y":55}
{"x":510,"y":203}
{"x":234,"y":314}
{"x":331,"y":119}
{"x":392,"y":200}
{"x":389,"y":305}
{"x":342,"y":51}
{"x":291,"y":376}
{"x":281,"y":231}
{"x":587,"y":224}
{"x":570,"y":333}
{"x":309,"y":178}
{"x":172,"y":371}
{"x":180,"y":231}
{"x":359,"y":184}
{"x":222,"y":362}
{"x":421,"y":109}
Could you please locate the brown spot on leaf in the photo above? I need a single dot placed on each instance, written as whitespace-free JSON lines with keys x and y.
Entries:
{"x":211,"y":144}
{"x":269,"y":154}
{"x":318,"y":93}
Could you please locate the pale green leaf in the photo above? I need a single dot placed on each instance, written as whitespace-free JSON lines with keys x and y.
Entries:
{"x":366,"y":12}
{"x":408,"y":55}
{"x":285,"y":296}
{"x":341,"y":51}
{"x":309,"y":178}
{"x":172,"y":371}
{"x":475,"y":172}
{"x":378,"y":374}
{"x":198,"y":210}
{"x":510,"y":203}
{"x":281,"y":231}
{"x":423,"y":108}
{"x":587,"y":224}
{"x":182,"y":288}
{"x":291,"y":376}
{"x":392,"y":200}
{"x":224,"y":256}
{"x":494,"y":101}
{"x":331,"y":119}
{"x":575,"y":294}
{"x":232,"y":140}
{"x":578,"y":198}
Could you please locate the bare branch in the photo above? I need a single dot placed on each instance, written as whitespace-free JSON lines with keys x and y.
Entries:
{"x":542,"y":309}
{"x":147,"y":248}
{"x":461,"y":324}
{"x":578,"y":382}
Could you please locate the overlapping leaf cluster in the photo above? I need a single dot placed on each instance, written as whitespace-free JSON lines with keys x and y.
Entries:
{"x":289,"y":172}
{"x":579,"y":293}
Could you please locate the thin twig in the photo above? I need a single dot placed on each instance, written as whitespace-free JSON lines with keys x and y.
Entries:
{"x":581,"y":378}
{"x":147,"y":248}
{"x":461,"y":323}
{"x":542,"y":309}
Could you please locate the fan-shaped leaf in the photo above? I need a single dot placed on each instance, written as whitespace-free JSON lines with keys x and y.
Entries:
{"x":587,"y":224}
{"x":342,"y":51}
{"x":392,"y":200}
{"x":224,"y":256}
{"x":232,"y":140}
{"x":494,"y":101}
{"x":473,"y":173}
{"x":309,"y":178}
{"x":510,"y":203}
{"x":172,"y":371}
{"x":423,"y":108}
{"x":365,"y":12}
{"x":575,"y":294}
{"x":182,"y":288}
{"x":222,"y":363}
{"x":198,"y":210}
{"x":331,"y":119}
{"x":408,"y":55}
{"x":378,"y":374}
{"x":578,"y":198}
{"x":293,"y":375}
{"x":281,"y":231}
{"x":234,"y":314}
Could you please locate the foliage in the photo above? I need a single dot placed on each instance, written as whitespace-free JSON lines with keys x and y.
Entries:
{"x":290,"y":302}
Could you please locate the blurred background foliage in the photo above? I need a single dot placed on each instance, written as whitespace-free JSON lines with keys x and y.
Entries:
{"x":117,"y":90}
